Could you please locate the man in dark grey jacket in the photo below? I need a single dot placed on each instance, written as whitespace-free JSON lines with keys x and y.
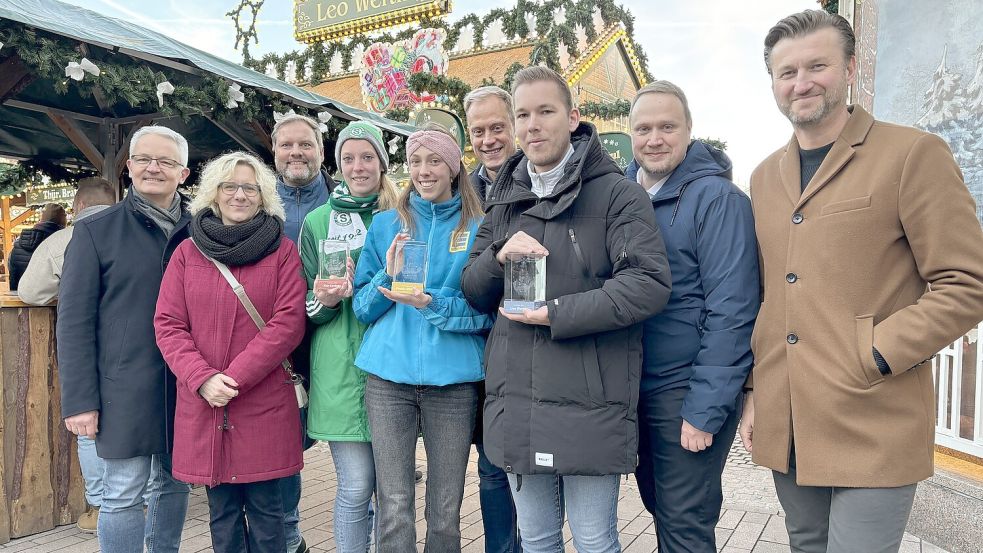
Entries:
{"x":115,"y":386}
{"x":562,"y":380}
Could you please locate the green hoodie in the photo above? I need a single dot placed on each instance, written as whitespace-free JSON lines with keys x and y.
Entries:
{"x":337,"y":396}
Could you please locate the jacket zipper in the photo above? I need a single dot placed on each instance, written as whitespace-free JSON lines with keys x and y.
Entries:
{"x":578,"y":253}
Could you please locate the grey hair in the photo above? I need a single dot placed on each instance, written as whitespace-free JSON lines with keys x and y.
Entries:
{"x":294,"y":117}
{"x":182,"y":143}
{"x":807,"y":22}
{"x":664,"y":87}
{"x":537,"y":73}
{"x":490,"y":91}
{"x":220,"y":170}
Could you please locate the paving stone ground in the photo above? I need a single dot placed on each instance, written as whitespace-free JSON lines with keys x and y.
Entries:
{"x":751,"y":521}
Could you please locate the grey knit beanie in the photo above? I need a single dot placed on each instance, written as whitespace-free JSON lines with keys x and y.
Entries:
{"x":362,"y":130}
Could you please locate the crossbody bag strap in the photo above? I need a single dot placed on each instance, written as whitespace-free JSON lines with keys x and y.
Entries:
{"x":240,"y":293}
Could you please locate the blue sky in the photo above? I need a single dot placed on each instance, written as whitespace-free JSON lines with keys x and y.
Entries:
{"x":711,"y":48}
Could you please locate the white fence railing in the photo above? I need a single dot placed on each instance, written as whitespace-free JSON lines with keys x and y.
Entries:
{"x":958,"y":371}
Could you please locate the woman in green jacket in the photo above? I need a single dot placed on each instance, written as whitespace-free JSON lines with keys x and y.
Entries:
{"x":337,"y":405}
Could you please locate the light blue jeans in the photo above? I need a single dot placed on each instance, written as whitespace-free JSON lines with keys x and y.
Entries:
{"x":353,"y":515}
{"x":591,"y":504}
{"x":123,"y":528}
{"x":93,"y":468}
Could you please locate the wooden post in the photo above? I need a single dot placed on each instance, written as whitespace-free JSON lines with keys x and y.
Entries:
{"x":41,"y":484}
{"x":7,"y":224}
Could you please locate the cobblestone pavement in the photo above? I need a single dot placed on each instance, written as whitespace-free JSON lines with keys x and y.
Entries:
{"x":751,"y":520}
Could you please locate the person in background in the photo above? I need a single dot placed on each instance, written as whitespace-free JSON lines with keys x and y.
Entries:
{"x":303,"y":186}
{"x":697,"y":351}
{"x":871,"y":264}
{"x":422,"y":350}
{"x":53,"y":219}
{"x":337,"y":409}
{"x":115,"y":386}
{"x":39,"y":286}
{"x":491,"y":128}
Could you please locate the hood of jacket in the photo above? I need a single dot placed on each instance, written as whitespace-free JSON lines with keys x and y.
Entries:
{"x":702,"y":160}
{"x":589,"y":161}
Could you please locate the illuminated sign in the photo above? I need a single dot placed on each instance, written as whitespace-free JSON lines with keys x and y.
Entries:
{"x":317,"y":20}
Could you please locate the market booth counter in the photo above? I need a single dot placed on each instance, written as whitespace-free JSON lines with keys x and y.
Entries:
{"x":41,"y":485}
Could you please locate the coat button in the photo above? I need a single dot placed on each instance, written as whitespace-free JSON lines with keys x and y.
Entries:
{"x":797,"y":218}
{"x":791,"y":277}
{"x":508,"y":468}
{"x":233,"y":478}
{"x":792,"y":338}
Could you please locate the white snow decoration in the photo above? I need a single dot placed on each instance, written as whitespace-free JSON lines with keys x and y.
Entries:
{"x":164,"y":88}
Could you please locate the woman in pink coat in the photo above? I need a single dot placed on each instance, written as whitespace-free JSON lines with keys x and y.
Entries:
{"x":237,"y":426}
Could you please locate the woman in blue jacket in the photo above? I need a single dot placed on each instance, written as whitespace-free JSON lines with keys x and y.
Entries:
{"x":422,"y":350}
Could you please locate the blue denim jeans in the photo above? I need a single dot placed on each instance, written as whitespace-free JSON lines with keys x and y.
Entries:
{"x":591,"y":503}
{"x":353,"y":514}
{"x":123,"y":528}
{"x":93,"y":468}
{"x":497,"y":508}
{"x":397,"y":413}
{"x":290,"y":500}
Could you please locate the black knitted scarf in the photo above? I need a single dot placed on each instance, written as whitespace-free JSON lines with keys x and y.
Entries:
{"x":236,"y":245}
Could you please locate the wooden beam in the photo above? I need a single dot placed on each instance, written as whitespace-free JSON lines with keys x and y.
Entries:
{"x":30,"y":106}
{"x":81,"y":141}
{"x":124,"y":147}
{"x":21,"y":218}
{"x":157,"y":115}
{"x":235,"y":136}
{"x":263,"y":135}
{"x":14,"y":76}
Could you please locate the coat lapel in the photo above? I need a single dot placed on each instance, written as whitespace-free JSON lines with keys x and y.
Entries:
{"x":842,"y":152}
{"x":789,"y":169}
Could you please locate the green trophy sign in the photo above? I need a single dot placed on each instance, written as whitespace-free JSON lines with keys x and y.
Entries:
{"x":449,"y":120}
{"x":618,"y":145}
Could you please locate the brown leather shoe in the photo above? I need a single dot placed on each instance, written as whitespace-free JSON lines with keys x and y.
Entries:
{"x":89,"y":520}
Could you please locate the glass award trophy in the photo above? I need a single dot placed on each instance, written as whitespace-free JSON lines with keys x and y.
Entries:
{"x":411,"y":268}
{"x":332,"y":257}
{"x":525,"y":282}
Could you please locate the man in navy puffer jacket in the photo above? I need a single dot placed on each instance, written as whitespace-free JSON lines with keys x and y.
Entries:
{"x":697,"y":351}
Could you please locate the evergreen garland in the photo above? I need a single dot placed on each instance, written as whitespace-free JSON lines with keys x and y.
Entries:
{"x":605,"y":111}
{"x":313,"y":62}
{"x":831,"y":6}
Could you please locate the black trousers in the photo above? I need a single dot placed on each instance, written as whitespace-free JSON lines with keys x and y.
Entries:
{"x":246,"y":517}
{"x":681,"y":489}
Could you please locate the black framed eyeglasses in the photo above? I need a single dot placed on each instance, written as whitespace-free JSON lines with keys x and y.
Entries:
{"x":162,"y":162}
{"x":250,"y":190}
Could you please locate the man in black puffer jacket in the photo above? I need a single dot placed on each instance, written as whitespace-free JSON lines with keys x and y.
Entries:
{"x":563,"y":380}
{"x":53,"y":219}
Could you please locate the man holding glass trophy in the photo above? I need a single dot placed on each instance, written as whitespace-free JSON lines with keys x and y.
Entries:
{"x":570,"y":256}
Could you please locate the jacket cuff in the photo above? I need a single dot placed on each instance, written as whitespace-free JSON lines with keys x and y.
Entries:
{"x":881,"y":363}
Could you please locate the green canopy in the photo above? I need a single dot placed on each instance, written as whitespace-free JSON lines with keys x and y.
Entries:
{"x":45,"y":115}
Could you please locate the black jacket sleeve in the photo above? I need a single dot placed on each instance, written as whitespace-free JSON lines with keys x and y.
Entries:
{"x":77,"y":327}
{"x":483,"y":280}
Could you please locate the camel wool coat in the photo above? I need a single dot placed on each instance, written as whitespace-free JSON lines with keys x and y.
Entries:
{"x":882,"y":250}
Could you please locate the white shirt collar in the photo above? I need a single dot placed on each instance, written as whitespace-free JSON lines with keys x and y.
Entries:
{"x":544,"y":183}
{"x":655,"y":187}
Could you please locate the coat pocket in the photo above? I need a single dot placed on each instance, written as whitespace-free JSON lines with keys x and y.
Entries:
{"x":852,"y":204}
{"x":865,"y":350}
{"x":592,"y":374}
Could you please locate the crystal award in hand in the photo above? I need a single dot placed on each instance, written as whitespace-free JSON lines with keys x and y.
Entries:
{"x":411,"y":267}
{"x":525,"y":282}
{"x":332,"y":257}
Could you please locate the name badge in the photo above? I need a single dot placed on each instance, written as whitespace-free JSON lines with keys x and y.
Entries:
{"x":459,"y":241}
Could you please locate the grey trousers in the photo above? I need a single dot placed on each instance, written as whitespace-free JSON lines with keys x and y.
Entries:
{"x":843,"y":520}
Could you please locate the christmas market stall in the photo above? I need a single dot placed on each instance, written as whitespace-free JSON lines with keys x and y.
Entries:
{"x":74,"y":87}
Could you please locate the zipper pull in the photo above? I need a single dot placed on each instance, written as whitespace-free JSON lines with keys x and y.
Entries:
{"x":225,"y":418}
